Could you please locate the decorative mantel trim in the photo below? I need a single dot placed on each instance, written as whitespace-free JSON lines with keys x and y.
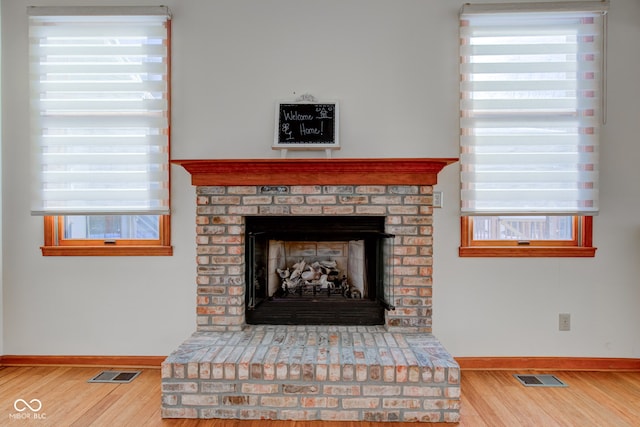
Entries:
{"x":396,"y":171}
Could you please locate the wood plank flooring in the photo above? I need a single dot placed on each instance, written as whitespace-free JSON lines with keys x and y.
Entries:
{"x":489,"y":398}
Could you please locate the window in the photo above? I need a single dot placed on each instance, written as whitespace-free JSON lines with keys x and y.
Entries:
{"x":531,"y":109}
{"x":527,"y":236}
{"x":100,"y":124}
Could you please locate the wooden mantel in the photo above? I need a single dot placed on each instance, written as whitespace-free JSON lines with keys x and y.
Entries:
{"x":383,"y":171}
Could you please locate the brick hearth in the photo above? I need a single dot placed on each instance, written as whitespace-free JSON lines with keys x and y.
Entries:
{"x":312,"y":372}
{"x":228,"y":369}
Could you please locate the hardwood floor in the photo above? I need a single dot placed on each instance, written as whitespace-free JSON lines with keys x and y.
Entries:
{"x":489,"y":398}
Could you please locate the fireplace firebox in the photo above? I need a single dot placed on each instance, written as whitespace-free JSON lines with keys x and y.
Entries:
{"x":318,"y":270}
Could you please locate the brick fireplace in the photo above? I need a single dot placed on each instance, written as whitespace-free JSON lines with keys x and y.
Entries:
{"x":392,"y":371}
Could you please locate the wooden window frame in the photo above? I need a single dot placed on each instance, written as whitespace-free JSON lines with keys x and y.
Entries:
{"x":54,"y":245}
{"x":580,"y":246}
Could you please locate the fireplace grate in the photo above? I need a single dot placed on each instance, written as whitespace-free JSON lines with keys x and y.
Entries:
{"x":539,"y":380}
{"x":116,"y":377}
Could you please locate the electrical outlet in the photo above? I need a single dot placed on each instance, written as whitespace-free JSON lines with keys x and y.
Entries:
{"x":564,"y":322}
{"x":437,"y":199}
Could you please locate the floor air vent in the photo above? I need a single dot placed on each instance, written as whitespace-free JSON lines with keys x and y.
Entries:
{"x":540,"y":381}
{"x":117,"y":377}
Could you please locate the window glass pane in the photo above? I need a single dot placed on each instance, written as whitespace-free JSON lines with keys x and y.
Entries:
{"x":112,"y":227}
{"x":523,"y":228}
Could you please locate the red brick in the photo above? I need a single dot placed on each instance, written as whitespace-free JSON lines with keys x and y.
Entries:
{"x":416,"y":260}
{"x":306,"y":210}
{"x":279,"y":401}
{"x":354,"y":200}
{"x":371,"y":189}
{"x":200,"y":400}
{"x":386,"y":200}
{"x":306,"y":189}
{"x":337,"y":189}
{"x":401,"y":403}
{"x":306,"y":414}
{"x":257,"y":200}
{"x":341,"y":390}
{"x":225,"y":200}
{"x":236,"y":400}
{"x":274,"y":210}
{"x":243,"y":189}
{"x":321,"y":200}
{"x":179,"y":413}
{"x":371,"y":210}
{"x":288,"y":200}
{"x":424,"y":417}
{"x":338,"y":210}
{"x":259,"y":388}
{"x":361,"y":402}
{"x":243,"y":210}
{"x":329,"y":415}
{"x":226,"y":219}
{"x":211,"y":250}
{"x":227,"y":260}
{"x":416,"y":391}
{"x":381,"y":390}
{"x":300,"y":389}
{"x":228,"y":240}
{"x":418,"y":200}
{"x":318,"y":402}
{"x":417,"y":240}
{"x":403,"y":210}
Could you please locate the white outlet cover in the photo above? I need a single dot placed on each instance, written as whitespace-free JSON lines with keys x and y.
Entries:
{"x":437,"y":199}
{"x":564,"y":322}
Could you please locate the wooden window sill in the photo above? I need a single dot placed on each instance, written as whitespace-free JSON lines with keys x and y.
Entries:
{"x":107,"y":250}
{"x":528,"y":252}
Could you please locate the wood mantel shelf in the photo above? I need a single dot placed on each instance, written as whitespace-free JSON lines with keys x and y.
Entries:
{"x":383,"y":171}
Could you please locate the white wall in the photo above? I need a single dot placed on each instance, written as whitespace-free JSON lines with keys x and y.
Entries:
{"x":393,"y":67}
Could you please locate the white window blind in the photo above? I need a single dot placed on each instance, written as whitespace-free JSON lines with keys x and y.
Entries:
{"x":531,"y":107}
{"x":100,"y":110}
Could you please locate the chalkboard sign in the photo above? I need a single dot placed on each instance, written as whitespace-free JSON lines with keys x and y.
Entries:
{"x":306,"y":125}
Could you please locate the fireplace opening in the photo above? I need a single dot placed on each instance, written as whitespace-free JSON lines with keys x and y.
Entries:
{"x":318,"y":270}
